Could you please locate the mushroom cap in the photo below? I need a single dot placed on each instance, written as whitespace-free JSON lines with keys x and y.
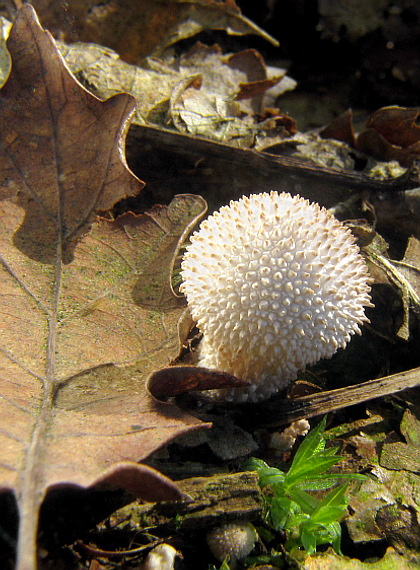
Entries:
{"x":162,"y":557}
{"x":235,"y":540}
{"x":275,"y":283}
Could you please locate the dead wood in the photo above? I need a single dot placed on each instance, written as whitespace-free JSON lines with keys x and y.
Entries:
{"x":281,"y":412}
{"x":215,"y":499}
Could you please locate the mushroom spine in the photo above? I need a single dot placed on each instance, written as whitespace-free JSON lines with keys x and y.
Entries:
{"x":275,"y":283}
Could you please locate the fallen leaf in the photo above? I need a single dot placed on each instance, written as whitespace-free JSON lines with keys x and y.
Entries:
{"x":405,"y":275}
{"x":145,"y":27}
{"x":252,"y":64}
{"x":53,"y":132}
{"x":397,"y":454}
{"x":202,"y":92}
{"x":391,"y":134}
{"x":391,"y":490}
{"x":176,"y":380}
{"x":81,"y":329}
{"x":396,"y":124}
{"x":341,"y":129}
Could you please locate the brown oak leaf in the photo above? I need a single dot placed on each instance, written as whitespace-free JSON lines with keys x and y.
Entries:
{"x":86,"y":303}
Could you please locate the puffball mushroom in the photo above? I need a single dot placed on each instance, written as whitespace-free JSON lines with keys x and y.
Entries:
{"x":235,"y":540}
{"x":162,"y":557}
{"x":275,"y":283}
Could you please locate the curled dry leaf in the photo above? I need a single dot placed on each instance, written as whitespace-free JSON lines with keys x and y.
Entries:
{"x":341,"y":129}
{"x":85,"y":313}
{"x":175,"y":380}
{"x":397,"y":125}
{"x":392,"y":134}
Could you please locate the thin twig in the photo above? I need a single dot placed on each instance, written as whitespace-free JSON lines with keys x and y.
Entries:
{"x":278,"y":413}
{"x":93,"y":551}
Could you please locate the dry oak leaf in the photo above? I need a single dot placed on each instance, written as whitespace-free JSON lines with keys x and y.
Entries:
{"x":86,"y":313}
{"x":59,"y":153}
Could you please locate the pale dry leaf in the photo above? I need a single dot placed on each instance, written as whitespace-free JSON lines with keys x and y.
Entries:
{"x":405,"y":275}
{"x":203,"y":92}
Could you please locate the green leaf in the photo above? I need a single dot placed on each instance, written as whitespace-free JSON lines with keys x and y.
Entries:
{"x":267,"y":475}
{"x":327,"y":480}
{"x":335,"y":532}
{"x":313,"y":443}
{"x":224,"y":565}
{"x":308,"y":540}
{"x":312,"y":447}
{"x":307,"y":502}
{"x":332,"y":507}
{"x":255,"y":464}
{"x":315,"y":466}
{"x":280,"y":509}
{"x":307,"y":520}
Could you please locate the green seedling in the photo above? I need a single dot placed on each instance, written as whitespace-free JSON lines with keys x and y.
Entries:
{"x":292,"y":506}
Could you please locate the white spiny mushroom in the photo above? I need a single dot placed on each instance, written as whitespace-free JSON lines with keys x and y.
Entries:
{"x":275,"y":283}
{"x":233,"y":540}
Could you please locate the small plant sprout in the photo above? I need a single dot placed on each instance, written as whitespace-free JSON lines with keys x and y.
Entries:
{"x":308,"y":520}
{"x":275,"y":283}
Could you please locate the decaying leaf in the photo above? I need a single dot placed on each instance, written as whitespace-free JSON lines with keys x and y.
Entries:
{"x":397,"y":454}
{"x":203,"y":92}
{"x":314,"y":148}
{"x":341,"y":129}
{"x":397,"y":125}
{"x":145,"y":27}
{"x":405,"y":275}
{"x":84,"y":317}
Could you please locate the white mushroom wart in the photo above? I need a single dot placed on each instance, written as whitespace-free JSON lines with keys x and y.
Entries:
{"x":275,"y":283}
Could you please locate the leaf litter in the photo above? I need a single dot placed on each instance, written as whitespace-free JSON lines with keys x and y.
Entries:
{"x":145,"y":27}
{"x":78,"y":336}
{"x":202,"y":92}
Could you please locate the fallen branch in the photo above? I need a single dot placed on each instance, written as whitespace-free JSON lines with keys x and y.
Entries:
{"x":224,"y":497}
